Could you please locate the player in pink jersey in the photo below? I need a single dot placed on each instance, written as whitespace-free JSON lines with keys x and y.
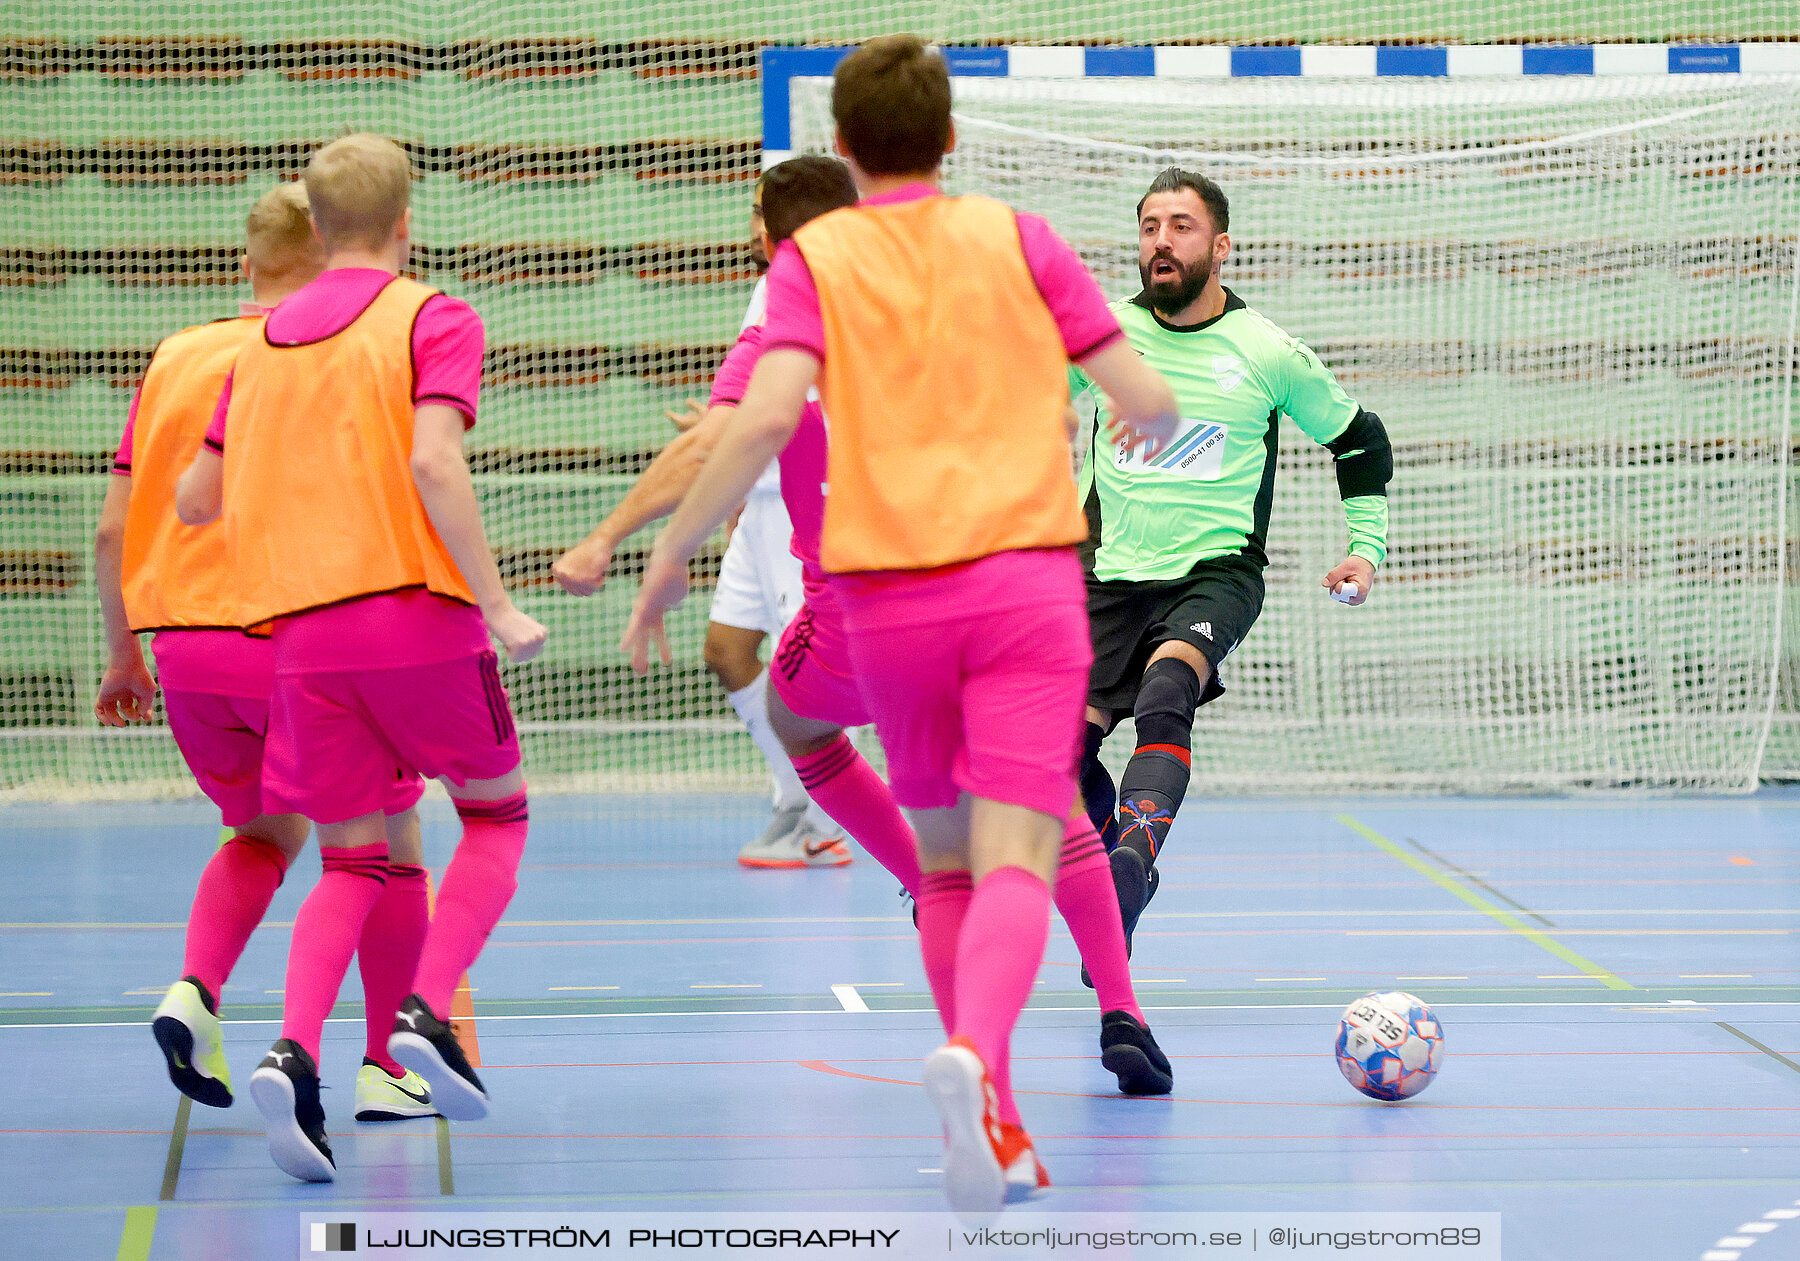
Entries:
{"x":356,"y":531}
{"x":941,"y":342}
{"x":155,"y":576}
{"x":836,"y":776}
{"x":815,"y":695}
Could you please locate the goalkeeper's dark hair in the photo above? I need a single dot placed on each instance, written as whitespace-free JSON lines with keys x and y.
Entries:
{"x":1173,"y":179}
{"x":801,"y":189}
{"x":891,"y":101}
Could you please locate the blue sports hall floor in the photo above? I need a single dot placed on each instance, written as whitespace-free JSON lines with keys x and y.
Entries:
{"x":662,"y":1030}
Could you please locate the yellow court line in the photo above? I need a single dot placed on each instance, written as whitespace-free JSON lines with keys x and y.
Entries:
{"x":140,"y":1231}
{"x":1451,"y":885}
{"x":555,"y":988}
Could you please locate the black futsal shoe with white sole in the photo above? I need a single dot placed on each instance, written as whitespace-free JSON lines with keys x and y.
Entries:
{"x":1130,"y":1053}
{"x":285,"y":1089}
{"x":428,"y":1047}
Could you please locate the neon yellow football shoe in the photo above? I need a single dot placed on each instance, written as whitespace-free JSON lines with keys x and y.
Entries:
{"x":381,"y":1097}
{"x":187,"y":1029}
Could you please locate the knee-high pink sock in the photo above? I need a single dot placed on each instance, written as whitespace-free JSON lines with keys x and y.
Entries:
{"x":943,"y":902}
{"x":233,"y":896}
{"x":477,"y":886}
{"x":325,"y":935}
{"x":847,"y":788}
{"x":388,"y":955}
{"x":1090,"y":907}
{"x":997,"y":960}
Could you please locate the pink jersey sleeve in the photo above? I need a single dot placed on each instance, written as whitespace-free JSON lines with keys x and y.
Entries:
{"x":448,"y":341}
{"x":1068,"y":289}
{"x":122,"y":460}
{"x":215,"y":432}
{"x":734,"y":373}
{"x":793,"y":318}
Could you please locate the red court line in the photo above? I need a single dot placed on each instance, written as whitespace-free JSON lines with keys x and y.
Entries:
{"x":1338,"y":1136}
{"x":820,"y":1066}
{"x":1747,"y":1053}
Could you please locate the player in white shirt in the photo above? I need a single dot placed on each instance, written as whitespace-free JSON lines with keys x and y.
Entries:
{"x":759,"y":592}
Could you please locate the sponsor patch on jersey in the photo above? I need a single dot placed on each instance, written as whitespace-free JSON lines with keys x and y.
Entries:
{"x":1229,"y":371}
{"x":1198,"y":452}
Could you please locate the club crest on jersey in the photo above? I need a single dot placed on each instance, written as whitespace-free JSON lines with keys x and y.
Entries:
{"x":1229,"y":371}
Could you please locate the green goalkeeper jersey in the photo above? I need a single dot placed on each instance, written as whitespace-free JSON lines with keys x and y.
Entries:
{"x":1208,"y":493}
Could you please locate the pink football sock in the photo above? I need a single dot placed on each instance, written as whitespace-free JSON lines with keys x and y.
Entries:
{"x":325,"y":936}
{"x":997,"y":960}
{"x":847,"y":788}
{"x":943,"y":902}
{"x":233,"y":896}
{"x":1090,"y":907}
{"x":477,"y":886}
{"x":388,"y":955}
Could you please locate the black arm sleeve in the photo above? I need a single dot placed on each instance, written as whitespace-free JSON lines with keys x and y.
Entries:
{"x":1365,"y":461}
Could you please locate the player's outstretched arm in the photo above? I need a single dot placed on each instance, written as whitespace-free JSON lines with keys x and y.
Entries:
{"x":127,"y":692}
{"x":200,"y":492}
{"x":657,"y":492}
{"x":756,"y":434}
{"x":1143,"y":407}
{"x":441,"y":476}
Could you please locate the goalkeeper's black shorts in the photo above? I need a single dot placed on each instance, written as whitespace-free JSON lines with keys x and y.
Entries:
{"x":1212,"y":607}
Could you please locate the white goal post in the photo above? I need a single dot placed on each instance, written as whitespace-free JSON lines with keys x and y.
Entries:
{"x":1573,"y":300}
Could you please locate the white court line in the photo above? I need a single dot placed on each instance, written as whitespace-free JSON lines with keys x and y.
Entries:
{"x":1088,"y":1009}
{"x":849,"y":998}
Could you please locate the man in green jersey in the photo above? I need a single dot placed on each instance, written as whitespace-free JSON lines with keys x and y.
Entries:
{"x":1176,"y":546}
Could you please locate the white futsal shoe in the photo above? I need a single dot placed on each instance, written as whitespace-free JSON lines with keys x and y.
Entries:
{"x":803,"y":845}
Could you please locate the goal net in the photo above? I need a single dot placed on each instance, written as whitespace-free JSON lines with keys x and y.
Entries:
{"x":583,"y":177}
{"x":1573,"y":302}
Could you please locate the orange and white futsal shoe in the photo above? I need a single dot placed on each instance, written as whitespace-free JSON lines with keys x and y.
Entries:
{"x":1026,"y":1175}
{"x":981,"y":1151}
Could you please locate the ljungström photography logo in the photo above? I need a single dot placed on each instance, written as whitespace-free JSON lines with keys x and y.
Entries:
{"x":334,"y":1236}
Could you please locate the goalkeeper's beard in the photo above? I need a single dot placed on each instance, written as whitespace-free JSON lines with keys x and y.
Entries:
{"x":1171,"y":297}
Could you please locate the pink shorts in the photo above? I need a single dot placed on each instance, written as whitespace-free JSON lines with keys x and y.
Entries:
{"x":811,"y":669}
{"x":339,"y":738}
{"x":976,"y":675}
{"x":222,"y":738}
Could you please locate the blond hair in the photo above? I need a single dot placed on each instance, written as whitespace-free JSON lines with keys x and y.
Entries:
{"x":279,"y":238}
{"x":359,"y":188}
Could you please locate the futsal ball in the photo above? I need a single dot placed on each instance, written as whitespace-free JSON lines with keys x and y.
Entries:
{"x":1389,"y":1046}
